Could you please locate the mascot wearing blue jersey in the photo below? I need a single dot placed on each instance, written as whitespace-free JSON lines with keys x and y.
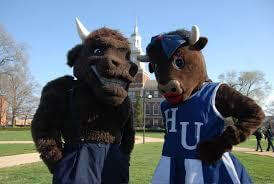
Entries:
{"x":198,"y":140}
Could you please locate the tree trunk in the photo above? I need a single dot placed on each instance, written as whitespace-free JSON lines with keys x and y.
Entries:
{"x":13,"y":120}
{"x":25,"y":121}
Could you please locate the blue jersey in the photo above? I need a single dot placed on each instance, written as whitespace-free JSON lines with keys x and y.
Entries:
{"x":187,"y":124}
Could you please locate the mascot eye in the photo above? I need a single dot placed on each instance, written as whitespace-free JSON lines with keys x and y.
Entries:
{"x":179,"y":63}
{"x":98,"y":51}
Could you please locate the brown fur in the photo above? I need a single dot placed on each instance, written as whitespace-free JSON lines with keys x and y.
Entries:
{"x":103,"y":111}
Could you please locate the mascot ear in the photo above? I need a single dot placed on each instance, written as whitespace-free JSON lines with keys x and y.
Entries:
{"x":150,"y":68}
{"x":73,"y":54}
{"x":200,"y":44}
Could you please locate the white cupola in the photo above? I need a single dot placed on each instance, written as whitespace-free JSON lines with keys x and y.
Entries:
{"x":136,"y":48}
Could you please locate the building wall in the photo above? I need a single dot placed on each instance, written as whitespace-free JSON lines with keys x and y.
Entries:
{"x":20,"y":121}
{"x":153,"y":115}
{"x":140,"y":80}
{"x":3,"y":111}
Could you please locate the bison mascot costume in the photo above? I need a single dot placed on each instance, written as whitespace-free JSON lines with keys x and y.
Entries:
{"x":83,"y":127}
{"x":198,"y":140}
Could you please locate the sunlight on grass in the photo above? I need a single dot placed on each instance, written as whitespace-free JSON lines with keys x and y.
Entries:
{"x":9,"y":135}
{"x":15,"y":149}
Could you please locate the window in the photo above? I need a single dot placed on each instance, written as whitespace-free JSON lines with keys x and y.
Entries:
{"x":156,"y":109}
{"x":147,"y":109}
{"x":147,"y":93}
{"x":156,"y":94}
{"x":155,"y":122}
{"x":130,"y":93}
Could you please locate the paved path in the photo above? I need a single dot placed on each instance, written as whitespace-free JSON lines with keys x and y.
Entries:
{"x":9,"y":161}
{"x":252,"y":151}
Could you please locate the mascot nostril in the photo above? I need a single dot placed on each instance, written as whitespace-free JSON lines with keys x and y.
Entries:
{"x":198,"y":139}
{"x":90,"y":115}
{"x":115,"y":63}
{"x":133,"y":69}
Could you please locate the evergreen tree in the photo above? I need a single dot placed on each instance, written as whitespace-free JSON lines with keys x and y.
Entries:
{"x":139,"y":111}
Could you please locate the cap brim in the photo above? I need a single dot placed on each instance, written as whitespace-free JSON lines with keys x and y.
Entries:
{"x":143,"y":58}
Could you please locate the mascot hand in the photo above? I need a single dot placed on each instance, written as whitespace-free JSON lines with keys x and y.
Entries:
{"x":51,"y":158}
{"x":50,"y":153}
{"x":212,"y":150}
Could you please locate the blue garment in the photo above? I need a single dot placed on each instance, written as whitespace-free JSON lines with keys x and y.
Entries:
{"x":92,"y":163}
{"x":170,"y":43}
{"x":89,"y":162}
{"x":188,"y":123}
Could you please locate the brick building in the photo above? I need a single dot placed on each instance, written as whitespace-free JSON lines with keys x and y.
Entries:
{"x":3,"y":111}
{"x":143,"y":85}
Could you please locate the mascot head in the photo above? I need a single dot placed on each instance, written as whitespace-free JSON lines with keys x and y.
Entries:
{"x":102,"y":62}
{"x":178,"y":63}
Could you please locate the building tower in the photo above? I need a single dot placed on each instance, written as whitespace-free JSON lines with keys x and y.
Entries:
{"x":136,"y":49}
{"x":142,"y":87}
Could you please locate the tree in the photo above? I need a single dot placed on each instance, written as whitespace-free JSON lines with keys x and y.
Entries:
{"x":10,"y":52}
{"x":16,"y":82}
{"x":29,"y":107}
{"x":249,"y":83}
{"x":139,"y":112}
{"x":19,"y":89}
{"x":270,"y":108}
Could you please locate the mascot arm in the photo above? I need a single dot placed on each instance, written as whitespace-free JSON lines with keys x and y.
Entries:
{"x":231,"y":103}
{"x":128,"y":139}
{"x":46,"y":123}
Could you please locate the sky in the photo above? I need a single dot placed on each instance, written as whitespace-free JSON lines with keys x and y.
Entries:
{"x":240,"y":33}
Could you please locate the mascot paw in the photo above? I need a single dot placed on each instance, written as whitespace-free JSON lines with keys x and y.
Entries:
{"x":211,"y":151}
{"x":50,"y":153}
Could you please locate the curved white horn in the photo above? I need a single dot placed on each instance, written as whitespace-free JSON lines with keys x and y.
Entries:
{"x":195,"y":35}
{"x":82,"y":31}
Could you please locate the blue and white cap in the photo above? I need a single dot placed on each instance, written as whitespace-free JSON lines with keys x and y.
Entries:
{"x":170,"y":43}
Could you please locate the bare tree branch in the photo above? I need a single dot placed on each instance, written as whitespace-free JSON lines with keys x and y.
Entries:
{"x":249,"y":83}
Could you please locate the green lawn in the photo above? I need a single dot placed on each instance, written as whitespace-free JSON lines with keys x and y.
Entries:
{"x":251,"y":143}
{"x":152,"y":134}
{"x":143,"y":163}
{"x":9,"y":135}
{"x":14,"y":149}
{"x":261,"y":168}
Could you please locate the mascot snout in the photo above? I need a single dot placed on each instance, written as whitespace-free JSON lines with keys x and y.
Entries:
{"x":172,"y":91}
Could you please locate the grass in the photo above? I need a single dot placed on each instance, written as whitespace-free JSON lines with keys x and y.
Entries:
{"x":9,"y":135}
{"x":28,"y":174}
{"x":259,"y":167}
{"x":15,"y":149}
{"x":144,"y":160}
{"x":251,"y":143}
{"x":151,"y":134}
{"x":25,"y":135}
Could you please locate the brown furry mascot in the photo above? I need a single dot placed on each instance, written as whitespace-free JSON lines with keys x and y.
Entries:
{"x":198,"y":140}
{"x":83,"y":127}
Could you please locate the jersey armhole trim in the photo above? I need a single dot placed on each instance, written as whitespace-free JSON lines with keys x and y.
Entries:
{"x":213,"y":102}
